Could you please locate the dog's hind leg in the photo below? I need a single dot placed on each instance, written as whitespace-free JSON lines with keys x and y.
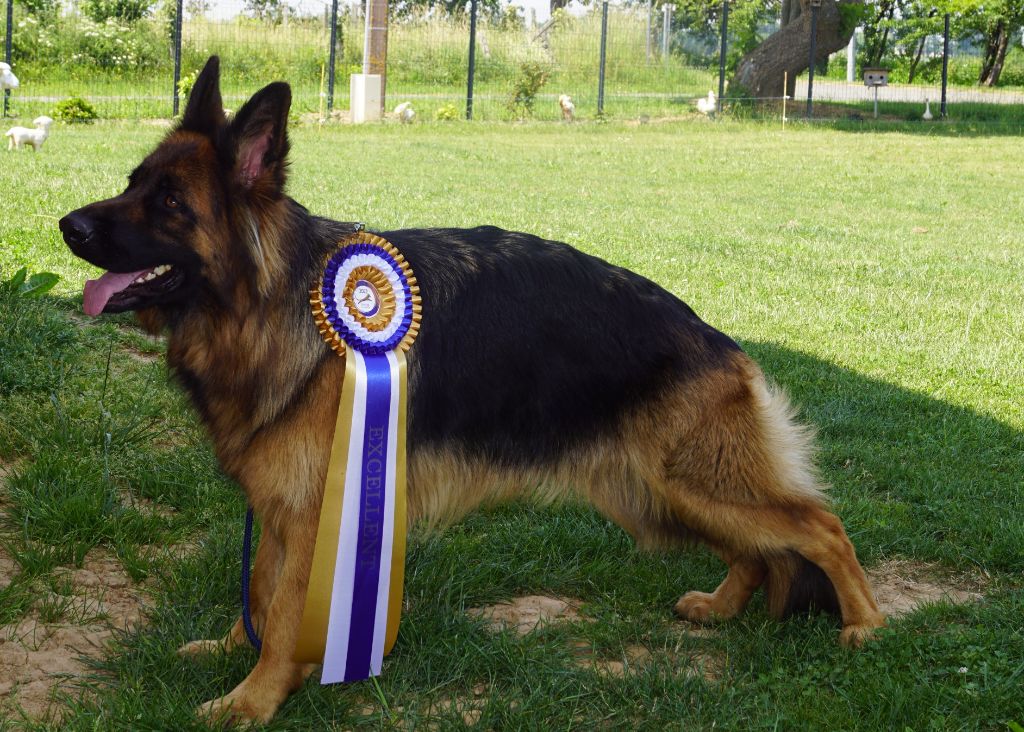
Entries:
{"x":261,"y":590}
{"x":817,"y":535}
{"x":745,"y":575}
{"x":738,"y":474}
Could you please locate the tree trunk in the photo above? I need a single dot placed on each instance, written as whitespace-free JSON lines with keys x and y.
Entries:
{"x":790,"y":11}
{"x":920,"y":49}
{"x":786,"y":51}
{"x":916,"y":61}
{"x":995,"y":55}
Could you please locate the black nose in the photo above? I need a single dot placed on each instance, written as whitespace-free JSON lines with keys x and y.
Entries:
{"x":77,"y":229}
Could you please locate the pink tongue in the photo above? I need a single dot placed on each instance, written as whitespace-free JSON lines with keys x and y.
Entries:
{"x":97,"y":292}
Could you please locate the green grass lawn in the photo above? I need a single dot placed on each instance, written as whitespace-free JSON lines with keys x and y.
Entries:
{"x":878,"y":277}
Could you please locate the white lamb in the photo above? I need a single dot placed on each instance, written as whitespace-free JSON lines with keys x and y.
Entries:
{"x":18,"y":136}
{"x":7,"y":78}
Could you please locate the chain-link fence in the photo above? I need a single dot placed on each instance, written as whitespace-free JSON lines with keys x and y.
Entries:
{"x":630,"y":60}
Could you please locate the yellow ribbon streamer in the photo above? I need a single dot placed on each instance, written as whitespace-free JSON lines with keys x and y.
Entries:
{"x":316,"y":612}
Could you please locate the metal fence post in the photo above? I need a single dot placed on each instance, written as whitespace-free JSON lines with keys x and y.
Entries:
{"x":851,"y":57}
{"x":604,"y":47}
{"x":721,"y":54}
{"x":177,"y":54}
{"x":650,"y":7}
{"x":472,"y":60}
{"x":331,"y":56}
{"x":815,"y":9}
{"x":7,"y":47}
{"x":666,"y":28}
{"x":945,"y":65}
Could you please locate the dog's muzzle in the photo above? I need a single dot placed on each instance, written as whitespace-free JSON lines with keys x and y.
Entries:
{"x":78,"y":229}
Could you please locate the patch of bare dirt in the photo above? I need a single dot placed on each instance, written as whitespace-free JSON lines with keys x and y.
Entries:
{"x":8,"y":568}
{"x":901,"y":586}
{"x":471,"y":709}
{"x":144,"y":505}
{"x":335,"y":116}
{"x":37,"y":656}
{"x":41,"y":652}
{"x":524,"y":614}
{"x":137,"y":354}
{"x":636,"y":657}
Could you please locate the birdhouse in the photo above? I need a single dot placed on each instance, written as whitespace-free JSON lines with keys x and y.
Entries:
{"x":876,"y":77}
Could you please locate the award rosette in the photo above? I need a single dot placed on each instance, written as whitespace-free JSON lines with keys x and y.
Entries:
{"x":367,"y":307}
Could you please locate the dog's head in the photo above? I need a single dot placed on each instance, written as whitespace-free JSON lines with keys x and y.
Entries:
{"x":187,"y":228}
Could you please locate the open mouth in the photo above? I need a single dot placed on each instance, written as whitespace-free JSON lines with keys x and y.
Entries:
{"x":115,"y":292}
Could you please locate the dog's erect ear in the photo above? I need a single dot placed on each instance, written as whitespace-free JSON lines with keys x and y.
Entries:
{"x":259,"y":134}
{"x":205,"y":110}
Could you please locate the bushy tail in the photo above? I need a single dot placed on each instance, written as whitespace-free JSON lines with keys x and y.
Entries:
{"x":795,"y":585}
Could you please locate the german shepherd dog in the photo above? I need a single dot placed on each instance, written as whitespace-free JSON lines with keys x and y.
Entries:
{"x":537,"y":369}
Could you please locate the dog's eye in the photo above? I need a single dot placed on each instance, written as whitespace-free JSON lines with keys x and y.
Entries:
{"x":171,"y":202}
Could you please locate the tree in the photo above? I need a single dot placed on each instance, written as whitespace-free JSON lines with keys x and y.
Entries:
{"x":197,"y":8}
{"x":891,"y":25}
{"x":41,"y":8}
{"x":493,"y":9}
{"x":760,"y":72}
{"x":128,"y":11}
{"x":272,"y":10}
{"x":997,"y":22}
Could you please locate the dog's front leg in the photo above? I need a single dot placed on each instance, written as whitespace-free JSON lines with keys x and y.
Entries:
{"x":275,"y":675}
{"x":265,"y":572}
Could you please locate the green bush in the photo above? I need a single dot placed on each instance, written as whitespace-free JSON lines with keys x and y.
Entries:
{"x":447,"y":113}
{"x":79,"y":46}
{"x":186,"y":82}
{"x":74,"y":109}
{"x":532,"y":76}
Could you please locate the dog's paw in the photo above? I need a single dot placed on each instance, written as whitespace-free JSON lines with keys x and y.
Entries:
{"x":854,"y":636}
{"x":234,"y":710}
{"x":698,"y":607}
{"x":201,"y":648}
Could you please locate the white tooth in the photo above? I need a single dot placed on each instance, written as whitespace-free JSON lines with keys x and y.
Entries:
{"x":150,"y":276}
{"x":161,"y":269}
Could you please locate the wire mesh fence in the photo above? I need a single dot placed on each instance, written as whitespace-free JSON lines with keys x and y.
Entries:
{"x":641,"y":60}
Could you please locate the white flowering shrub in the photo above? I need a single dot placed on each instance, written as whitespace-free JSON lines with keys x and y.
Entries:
{"x":81,"y":45}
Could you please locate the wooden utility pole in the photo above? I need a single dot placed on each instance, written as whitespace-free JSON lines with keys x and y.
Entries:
{"x":375,"y":47}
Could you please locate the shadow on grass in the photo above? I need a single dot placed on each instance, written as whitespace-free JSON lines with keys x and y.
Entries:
{"x":913,"y":474}
{"x":964,"y":119}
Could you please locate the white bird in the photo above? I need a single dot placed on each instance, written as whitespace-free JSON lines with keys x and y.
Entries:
{"x":568,"y":108}
{"x":7,"y":78}
{"x":405,"y":112}
{"x":927,"y":116}
{"x":707,"y":106}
